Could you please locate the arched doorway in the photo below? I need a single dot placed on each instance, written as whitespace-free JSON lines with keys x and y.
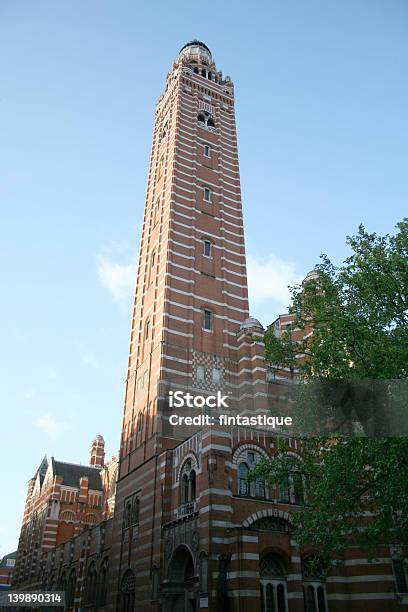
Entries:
{"x":273,"y":583}
{"x":127,"y":591}
{"x":182,"y":582}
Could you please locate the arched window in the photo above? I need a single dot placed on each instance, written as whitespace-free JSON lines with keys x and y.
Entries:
{"x":192,"y":486}
{"x":203,"y":560}
{"x":68,"y":516}
{"x":314,"y":591}
{"x":128,"y":514}
{"x":256,"y":488}
{"x":70,"y":589}
{"x":273,"y":583}
{"x":188,"y":483}
{"x":243,"y":482}
{"x":90,"y":519}
{"x":90,"y":584}
{"x":155,"y":583}
{"x":203,"y":73}
{"x":291,"y":488}
{"x":195,"y":70}
{"x":271,"y":523}
{"x":127,"y":591}
{"x":187,"y":489}
{"x":184,"y":489}
{"x":135,"y":511}
{"x":205,"y":119}
{"x":103,"y":582}
{"x":62,"y":583}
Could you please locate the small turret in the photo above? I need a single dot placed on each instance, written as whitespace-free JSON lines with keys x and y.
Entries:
{"x":97,"y":452}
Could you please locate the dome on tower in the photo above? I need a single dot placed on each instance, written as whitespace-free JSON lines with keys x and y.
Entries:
{"x":98,"y":439}
{"x":196,"y":48}
{"x":311,"y":276}
{"x":251,"y":322}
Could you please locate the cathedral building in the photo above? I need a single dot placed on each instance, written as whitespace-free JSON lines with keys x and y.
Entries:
{"x":188,"y":532}
{"x":62,"y":500}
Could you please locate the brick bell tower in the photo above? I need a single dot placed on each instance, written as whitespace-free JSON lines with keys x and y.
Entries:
{"x":190,"y":326}
{"x":190,"y":315}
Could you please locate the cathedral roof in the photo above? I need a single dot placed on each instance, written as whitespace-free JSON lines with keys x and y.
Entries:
{"x":3,"y":562}
{"x":72,"y":472}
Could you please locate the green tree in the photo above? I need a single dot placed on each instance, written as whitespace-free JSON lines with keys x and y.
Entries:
{"x":355,"y":363}
{"x":358,"y":312}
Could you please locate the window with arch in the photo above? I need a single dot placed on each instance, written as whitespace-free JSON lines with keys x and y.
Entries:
{"x":314,"y":590}
{"x":188,"y":483}
{"x":205,"y":119}
{"x":155,"y":582}
{"x":90,"y":519}
{"x":70,"y":589}
{"x":255,"y":488}
{"x":132,"y":511}
{"x":203,"y":568}
{"x":243,"y":471}
{"x":90,"y":584}
{"x":68,"y":516}
{"x":271,"y":523}
{"x":273,"y":583}
{"x":291,"y":488}
{"x":127,"y":591}
{"x":103,"y":582}
{"x":135,"y":511}
{"x":62,"y":582}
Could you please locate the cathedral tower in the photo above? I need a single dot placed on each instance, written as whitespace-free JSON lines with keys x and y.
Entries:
{"x":190,"y":329}
{"x":191,"y":295}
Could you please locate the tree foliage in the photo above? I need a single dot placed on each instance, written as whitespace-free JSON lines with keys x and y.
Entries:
{"x":356,"y":492}
{"x":357,"y":313}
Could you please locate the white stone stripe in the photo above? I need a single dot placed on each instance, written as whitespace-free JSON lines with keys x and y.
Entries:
{"x":207,"y":300}
{"x":360,"y":596}
{"x":367,"y":578}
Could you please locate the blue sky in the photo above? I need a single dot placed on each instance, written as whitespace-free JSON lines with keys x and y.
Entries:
{"x":321,"y":98}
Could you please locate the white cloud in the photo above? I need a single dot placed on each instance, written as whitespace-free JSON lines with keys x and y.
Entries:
{"x":268,"y":281}
{"x":49,"y":425}
{"x":118,"y":279}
